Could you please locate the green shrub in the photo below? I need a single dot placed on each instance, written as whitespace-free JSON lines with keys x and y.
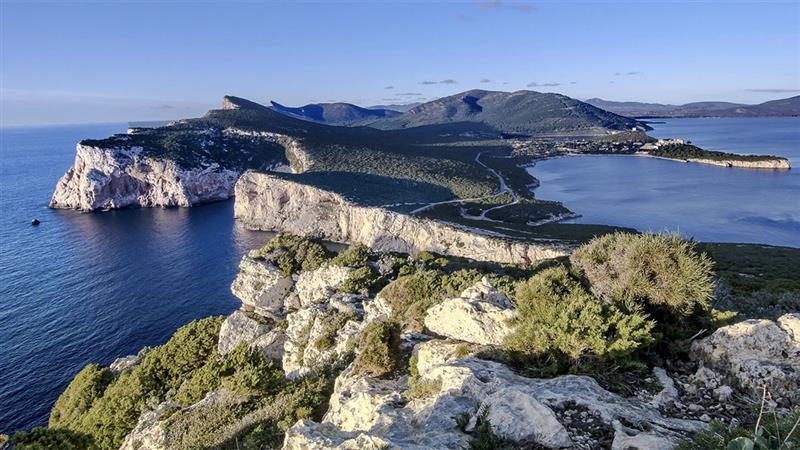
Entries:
{"x":331,"y":325}
{"x":379,"y":346}
{"x":114,"y":414}
{"x":87,"y":386}
{"x":52,"y":439}
{"x":560,"y":319}
{"x":357,"y":255}
{"x":294,"y":253}
{"x":362,"y":280}
{"x":663,"y":273}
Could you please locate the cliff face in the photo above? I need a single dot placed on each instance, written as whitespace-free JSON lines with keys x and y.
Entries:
{"x":772,"y":164}
{"x":119,"y":176}
{"x":103,"y":178}
{"x":265,"y":202}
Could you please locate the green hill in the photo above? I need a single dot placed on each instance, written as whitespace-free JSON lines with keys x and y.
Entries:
{"x":521,"y":112}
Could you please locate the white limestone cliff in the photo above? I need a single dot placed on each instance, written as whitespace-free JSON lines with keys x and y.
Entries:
{"x":266,"y":202}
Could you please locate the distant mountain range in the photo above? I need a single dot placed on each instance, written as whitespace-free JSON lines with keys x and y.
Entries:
{"x":335,"y":113}
{"x":400,"y":108}
{"x":783,"y":107}
{"x":520,"y":112}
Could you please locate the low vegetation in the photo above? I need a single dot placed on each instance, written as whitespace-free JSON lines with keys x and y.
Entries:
{"x":772,"y":430}
{"x":184,"y":371}
{"x":687,"y":151}
{"x":292,"y":254}
{"x":561,"y":322}
{"x":379,"y":354}
{"x":663,"y":275}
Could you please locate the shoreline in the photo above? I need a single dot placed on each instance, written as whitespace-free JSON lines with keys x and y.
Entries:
{"x":765,"y":164}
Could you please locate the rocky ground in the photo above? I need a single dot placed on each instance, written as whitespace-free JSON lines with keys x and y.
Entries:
{"x":305,"y":322}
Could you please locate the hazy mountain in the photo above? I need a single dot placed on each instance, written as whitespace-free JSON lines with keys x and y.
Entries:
{"x":399,"y":108}
{"x":784,"y":107}
{"x":521,"y":112}
{"x":335,"y":113}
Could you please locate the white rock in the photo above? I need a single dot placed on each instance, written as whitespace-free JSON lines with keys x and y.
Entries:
{"x":517,"y":415}
{"x":264,"y":202}
{"x":104,"y":178}
{"x":629,"y":439}
{"x":372,"y":409}
{"x":756,"y":353}
{"x":435,"y":352}
{"x":149,"y":434}
{"x":723,"y":393}
{"x":258,"y":334}
{"x":260,"y":285}
{"x":790,"y":323}
{"x":480,"y":315}
{"x":125,"y":363}
{"x":305,"y":327}
{"x":668,"y":393}
{"x":317,"y":286}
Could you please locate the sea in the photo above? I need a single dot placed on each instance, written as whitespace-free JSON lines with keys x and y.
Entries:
{"x":82,"y":288}
{"x":699,"y":201}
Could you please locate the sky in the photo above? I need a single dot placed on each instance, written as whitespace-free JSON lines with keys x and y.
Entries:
{"x":70,"y":62}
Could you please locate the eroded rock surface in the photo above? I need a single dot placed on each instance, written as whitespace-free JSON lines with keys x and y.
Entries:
{"x":372,"y":411}
{"x":756,"y":353}
{"x":480,"y":315}
{"x":265,"y":202}
{"x":261,"y":286}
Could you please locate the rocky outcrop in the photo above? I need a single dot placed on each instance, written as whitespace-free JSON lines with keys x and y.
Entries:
{"x":105,"y":178}
{"x":481,"y":315}
{"x":772,"y":164}
{"x":371,"y":412}
{"x":256,"y":332}
{"x":117,"y":173}
{"x":149,"y":433}
{"x":265,"y":202}
{"x":756,"y":353}
{"x":260,"y":285}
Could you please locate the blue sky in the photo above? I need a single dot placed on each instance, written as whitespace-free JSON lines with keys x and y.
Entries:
{"x":114,"y":61}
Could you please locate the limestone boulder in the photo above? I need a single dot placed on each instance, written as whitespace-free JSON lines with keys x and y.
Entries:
{"x":317,"y":286}
{"x":261,"y":286}
{"x":256,"y":332}
{"x":149,"y":434}
{"x":756,"y":353}
{"x":480,"y":315}
{"x":516,"y":415}
{"x":320,"y":336}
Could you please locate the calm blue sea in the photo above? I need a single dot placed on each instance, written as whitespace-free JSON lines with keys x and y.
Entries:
{"x":83,"y":288}
{"x":704,"y":202}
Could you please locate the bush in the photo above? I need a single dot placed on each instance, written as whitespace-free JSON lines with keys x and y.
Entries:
{"x":52,"y":439}
{"x":560,"y":319}
{"x":330,"y":328}
{"x":294,"y":253}
{"x":356,"y":255}
{"x":87,"y":386}
{"x":114,"y":414}
{"x":362,"y":280}
{"x":663,"y":273}
{"x":379,"y":346}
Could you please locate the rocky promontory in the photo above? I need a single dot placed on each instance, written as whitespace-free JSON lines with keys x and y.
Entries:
{"x":267,"y":202}
{"x":380,"y":350}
